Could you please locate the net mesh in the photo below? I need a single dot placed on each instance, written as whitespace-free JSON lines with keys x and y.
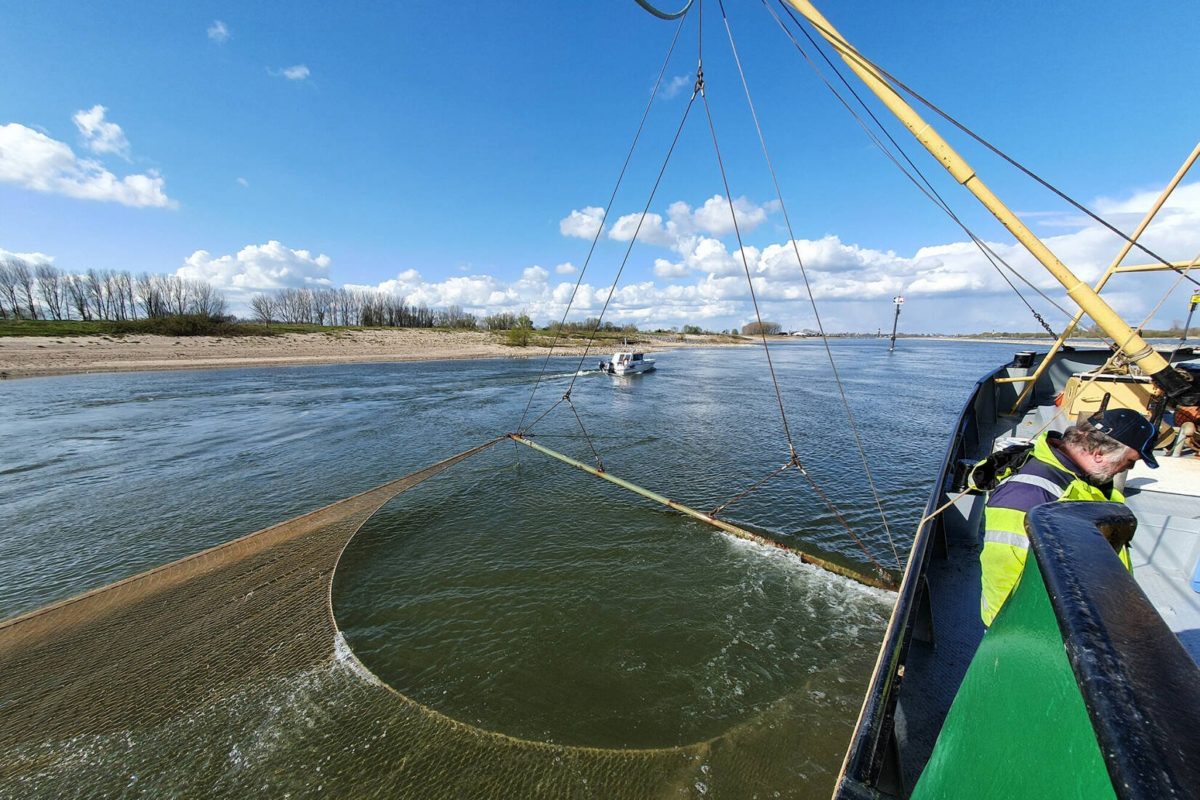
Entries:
{"x":223,"y":674}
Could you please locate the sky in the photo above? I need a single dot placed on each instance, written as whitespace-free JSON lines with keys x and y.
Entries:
{"x":465,"y":153}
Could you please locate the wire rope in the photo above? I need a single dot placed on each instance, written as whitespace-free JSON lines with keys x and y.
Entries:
{"x":633,"y":240}
{"x":851,"y":52}
{"x":795,"y":457}
{"x":600,"y":228}
{"x":927,"y":188}
{"x":807,"y":285}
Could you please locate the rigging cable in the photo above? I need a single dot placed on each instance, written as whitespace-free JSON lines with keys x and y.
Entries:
{"x":808,"y":287}
{"x":795,"y":458}
{"x":851,"y":52}
{"x":928,"y":189}
{"x":633,"y":240}
{"x":624,"y":261}
{"x":604,"y":217}
{"x":1087,"y":381}
{"x":600,"y":228}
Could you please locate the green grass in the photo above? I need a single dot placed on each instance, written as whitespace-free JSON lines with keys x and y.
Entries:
{"x":167,"y":326}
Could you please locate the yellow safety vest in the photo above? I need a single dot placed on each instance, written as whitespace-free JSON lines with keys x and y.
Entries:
{"x":1005,"y":543}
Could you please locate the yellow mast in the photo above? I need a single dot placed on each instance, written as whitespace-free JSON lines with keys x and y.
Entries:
{"x":1108,"y":273}
{"x":1136,"y":348}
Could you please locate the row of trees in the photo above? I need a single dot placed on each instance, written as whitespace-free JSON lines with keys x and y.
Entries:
{"x":354,"y":307}
{"x":43,"y":291}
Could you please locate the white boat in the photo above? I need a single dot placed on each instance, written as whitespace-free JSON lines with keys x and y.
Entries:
{"x":627,"y":364}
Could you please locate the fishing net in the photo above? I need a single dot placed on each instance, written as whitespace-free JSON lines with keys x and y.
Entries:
{"x":224,"y":675}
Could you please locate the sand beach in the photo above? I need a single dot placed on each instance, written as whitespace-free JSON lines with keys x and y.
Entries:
{"x":33,"y":356}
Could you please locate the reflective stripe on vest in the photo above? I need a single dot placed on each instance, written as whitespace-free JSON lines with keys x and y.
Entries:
{"x":1056,"y":490}
{"x":1018,"y":540}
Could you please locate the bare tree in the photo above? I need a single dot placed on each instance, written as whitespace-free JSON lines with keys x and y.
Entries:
{"x":115,"y":293}
{"x":77,"y":295}
{"x":50,"y":287}
{"x":178,"y":295}
{"x":150,"y":295}
{"x":94,"y":281}
{"x":207,"y":300}
{"x":8,"y":287}
{"x":23,"y":276}
{"x":263,"y":307}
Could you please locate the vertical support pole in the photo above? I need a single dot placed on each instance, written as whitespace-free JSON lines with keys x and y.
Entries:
{"x":899,"y":301}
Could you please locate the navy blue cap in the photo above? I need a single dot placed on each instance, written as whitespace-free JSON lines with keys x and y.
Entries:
{"x":1130,"y":429}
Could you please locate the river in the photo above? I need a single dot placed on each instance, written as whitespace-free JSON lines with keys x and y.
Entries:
{"x":512,"y":593}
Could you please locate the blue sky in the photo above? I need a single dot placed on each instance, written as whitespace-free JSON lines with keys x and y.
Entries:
{"x":439,"y":151}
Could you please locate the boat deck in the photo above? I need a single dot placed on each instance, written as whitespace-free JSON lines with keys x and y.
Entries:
{"x":1166,"y":548}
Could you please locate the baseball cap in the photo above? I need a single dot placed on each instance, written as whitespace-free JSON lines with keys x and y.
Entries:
{"x":1130,"y":429}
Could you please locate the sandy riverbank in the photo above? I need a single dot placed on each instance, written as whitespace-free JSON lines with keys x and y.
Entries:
{"x":33,"y":356}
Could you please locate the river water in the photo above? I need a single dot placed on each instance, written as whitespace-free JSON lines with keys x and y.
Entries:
{"x":512,"y":593}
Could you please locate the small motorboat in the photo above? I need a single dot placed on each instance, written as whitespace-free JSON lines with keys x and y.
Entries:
{"x":627,"y":364}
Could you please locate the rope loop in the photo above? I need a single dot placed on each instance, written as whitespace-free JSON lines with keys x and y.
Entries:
{"x":667,"y":15}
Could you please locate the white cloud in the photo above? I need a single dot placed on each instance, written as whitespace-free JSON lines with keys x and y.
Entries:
{"x":218,"y":32}
{"x":665,"y":269}
{"x":33,"y":160}
{"x":297,"y":72}
{"x":257,"y":268}
{"x":99,"y":135}
{"x":684,"y":224}
{"x":245,"y":184}
{"x":715,"y":217}
{"x":677,"y":84}
{"x":28,"y":258}
{"x":950,"y":287}
{"x":582,"y":224}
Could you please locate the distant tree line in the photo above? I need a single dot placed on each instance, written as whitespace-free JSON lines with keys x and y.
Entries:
{"x":43,"y":291}
{"x":354,"y":308}
{"x":591,"y":324}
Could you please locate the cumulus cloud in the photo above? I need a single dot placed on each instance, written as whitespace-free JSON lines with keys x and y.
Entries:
{"x":684,"y":224}
{"x":716,"y":218}
{"x":582,"y":223}
{"x":28,"y":258}
{"x":218,"y":32}
{"x":298,"y":72}
{"x":950,"y":286}
{"x":677,"y":84}
{"x":256,"y":268}
{"x":99,"y":135}
{"x":33,"y":160}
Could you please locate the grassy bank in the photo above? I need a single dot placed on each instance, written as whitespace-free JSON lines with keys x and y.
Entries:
{"x":165,"y":326}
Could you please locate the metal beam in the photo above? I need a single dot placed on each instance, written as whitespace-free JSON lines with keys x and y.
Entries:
{"x":881,"y":582}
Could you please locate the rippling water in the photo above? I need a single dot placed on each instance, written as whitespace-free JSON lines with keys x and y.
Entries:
{"x":513,"y":593}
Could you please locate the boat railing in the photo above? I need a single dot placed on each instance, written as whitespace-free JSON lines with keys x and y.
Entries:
{"x":1079,"y":681}
{"x":872,"y":757}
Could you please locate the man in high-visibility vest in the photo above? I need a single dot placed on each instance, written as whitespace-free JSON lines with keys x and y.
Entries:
{"x":1078,"y":464}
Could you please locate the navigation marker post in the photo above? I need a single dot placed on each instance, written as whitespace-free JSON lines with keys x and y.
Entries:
{"x":899,"y":301}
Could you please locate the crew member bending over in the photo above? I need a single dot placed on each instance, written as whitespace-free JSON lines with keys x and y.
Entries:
{"x":1078,"y":464}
